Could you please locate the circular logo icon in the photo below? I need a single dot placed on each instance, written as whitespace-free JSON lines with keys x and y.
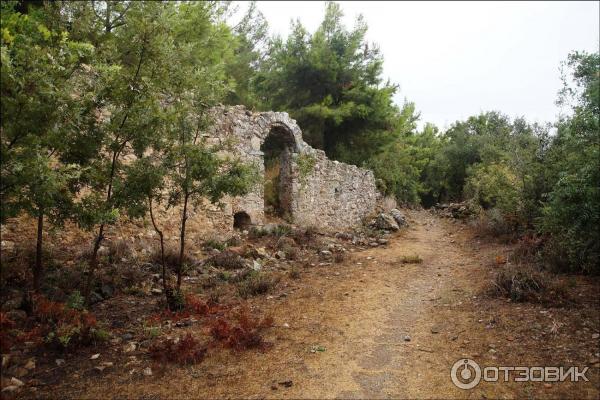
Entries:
{"x":465,"y":373}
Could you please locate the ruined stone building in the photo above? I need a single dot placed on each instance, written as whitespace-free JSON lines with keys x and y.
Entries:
{"x":301,"y":185}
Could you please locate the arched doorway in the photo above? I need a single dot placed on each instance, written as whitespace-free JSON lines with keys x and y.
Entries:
{"x":277,"y":149}
{"x":241,"y":220}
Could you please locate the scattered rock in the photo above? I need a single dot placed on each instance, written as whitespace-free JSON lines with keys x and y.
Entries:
{"x":129,"y":347}
{"x":95,"y":356}
{"x":30,"y":364}
{"x":406,"y":338}
{"x":262,"y":252}
{"x":373,"y":244}
{"x":147,"y":371}
{"x":325,"y":253}
{"x":454,"y":210}
{"x":103,"y":251}
{"x":183,"y":323}
{"x":156,"y":291}
{"x":59,"y":362}
{"x":280,"y":255}
{"x":344,"y":236}
{"x":95,"y":298}
{"x":382,"y":241}
{"x":6,"y":359}
{"x":16,"y":382}
{"x":386,"y":222}
{"x":398,"y":217}
{"x":595,"y":335}
{"x":436,"y":329}
{"x":10,"y":389}
{"x":7,"y":246}
{"x":107,"y":291}
{"x":286,"y":384}
{"x":127,"y":336}
{"x":256,"y":265}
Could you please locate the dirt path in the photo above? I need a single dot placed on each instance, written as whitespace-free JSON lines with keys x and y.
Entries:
{"x":374,"y":327}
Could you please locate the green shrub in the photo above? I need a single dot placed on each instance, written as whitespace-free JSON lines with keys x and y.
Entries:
{"x":256,"y":283}
{"x":76,"y":301}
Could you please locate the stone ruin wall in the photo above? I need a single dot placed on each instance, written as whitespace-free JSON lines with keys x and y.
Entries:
{"x":316,"y":191}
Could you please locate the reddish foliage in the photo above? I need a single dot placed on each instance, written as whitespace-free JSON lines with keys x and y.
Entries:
{"x":165,"y":315}
{"x":200,"y":307}
{"x":52,"y":321}
{"x":186,"y":350}
{"x":193,"y":307}
{"x":245,"y":334}
{"x":528,"y":245}
{"x":47,"y":310}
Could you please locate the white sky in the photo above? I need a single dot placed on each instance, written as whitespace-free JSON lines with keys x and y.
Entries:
{"x":456,"y":59}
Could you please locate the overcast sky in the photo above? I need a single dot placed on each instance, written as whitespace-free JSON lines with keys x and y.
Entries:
{"x":456,"y":59}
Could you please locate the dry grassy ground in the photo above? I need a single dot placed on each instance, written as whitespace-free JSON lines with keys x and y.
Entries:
{"x":371,"y":326}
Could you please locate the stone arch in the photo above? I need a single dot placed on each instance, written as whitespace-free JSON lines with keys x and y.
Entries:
{"x":277,"y":147}
{"x":241,"y":220}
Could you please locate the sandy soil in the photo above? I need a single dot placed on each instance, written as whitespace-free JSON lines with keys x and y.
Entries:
{"x":374,"y":327}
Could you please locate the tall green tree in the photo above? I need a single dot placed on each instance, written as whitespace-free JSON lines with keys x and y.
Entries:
{"x":132,"y":62}
{"x":41,"y":105}
{"x":250,"y":41}
{"x":330,"y":82}
{"x":571,"y":210}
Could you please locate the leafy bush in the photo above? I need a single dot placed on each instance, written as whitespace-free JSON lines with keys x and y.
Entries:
{"x":495,"y":186}
{"x":76,"y":301}
{"x":572,"y":217}
{"x":213,"y":243}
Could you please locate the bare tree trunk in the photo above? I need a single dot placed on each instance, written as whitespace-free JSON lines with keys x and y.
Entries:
{"x":162,"y":251}
{"x":182,"y":240}
{"x":93,"y":265}
{"x":37,"y":269}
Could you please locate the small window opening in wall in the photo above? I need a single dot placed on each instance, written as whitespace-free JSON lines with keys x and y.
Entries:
{"x":241,"y":220}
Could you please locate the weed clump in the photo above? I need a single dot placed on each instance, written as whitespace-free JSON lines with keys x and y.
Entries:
{"x":294,"y":273}
{"x":246,"y":334}
{"x":528,"y":285}
{"x":411,"y":259}
{"x":185,"y":350}
{"x":212,"y":243}
{"x":227,"y":260}
{"x":254,"y":284}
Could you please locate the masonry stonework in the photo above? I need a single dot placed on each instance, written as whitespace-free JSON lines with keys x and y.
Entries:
{"x":313,"y":190}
